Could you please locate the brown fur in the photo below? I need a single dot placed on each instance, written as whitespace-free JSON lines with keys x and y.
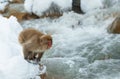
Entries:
{"x":34,"y":43}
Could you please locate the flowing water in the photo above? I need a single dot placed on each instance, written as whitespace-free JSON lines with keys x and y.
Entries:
{"x":82,"y":48}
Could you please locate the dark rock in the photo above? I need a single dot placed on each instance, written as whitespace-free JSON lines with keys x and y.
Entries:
{"x":53,"y":11}
{"x":18,"y":11}
{"x":17,"y":1}
{"x":76,"y":6}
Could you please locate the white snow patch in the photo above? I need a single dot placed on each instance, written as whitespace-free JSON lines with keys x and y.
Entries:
{"x":12,"y":64}
{"x":89,"y":5}
{"x":3,"y":4}
{"x":28,"y":5}
{"x":42,"y":69}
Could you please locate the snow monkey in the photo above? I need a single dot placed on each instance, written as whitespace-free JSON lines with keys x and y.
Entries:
{"x":34,"y":43}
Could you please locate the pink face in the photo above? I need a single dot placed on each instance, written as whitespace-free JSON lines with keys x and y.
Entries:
{"x":49,"y":44}
{"x":46,"y":41}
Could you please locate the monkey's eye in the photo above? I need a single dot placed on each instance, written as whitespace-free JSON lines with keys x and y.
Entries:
{"x":41,"y":40}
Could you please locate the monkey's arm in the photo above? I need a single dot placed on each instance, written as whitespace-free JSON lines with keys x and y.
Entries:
{"x":39,"y":56}
{"x":28,"y":47}
{"x":25,"y":53}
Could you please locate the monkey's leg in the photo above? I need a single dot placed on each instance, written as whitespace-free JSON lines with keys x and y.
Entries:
{"x":39,"y":56}
{"x":25,"y":53}
{"x":32,"y":56}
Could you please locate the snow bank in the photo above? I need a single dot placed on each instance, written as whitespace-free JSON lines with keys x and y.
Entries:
{"x":8,"y":36}
{"x":12,"y":64}
{"x":40,"y":7}
{"x":88,"y":5}
{"x":110,"y":3}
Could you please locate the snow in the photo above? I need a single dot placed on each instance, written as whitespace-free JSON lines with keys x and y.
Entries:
{"x":28,"y":5}
{"x":42,"y":69}
{"x":39,"y":7}
{"x":3,"y":4}
{"x":7,"y":34}
{"x":84,"y":53}
{"x":89,"y":5}
{"x":12,"y":64}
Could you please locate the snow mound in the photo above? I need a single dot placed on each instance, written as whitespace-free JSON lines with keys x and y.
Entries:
{"x":90,"y":5}
{"x":46,"y":6}
{"x":12,"y":64}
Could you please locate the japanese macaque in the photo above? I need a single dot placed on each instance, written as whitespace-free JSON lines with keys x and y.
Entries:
{"x":34,"y":43}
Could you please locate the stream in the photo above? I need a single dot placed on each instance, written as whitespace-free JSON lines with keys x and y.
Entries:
{"x":82,"y":47}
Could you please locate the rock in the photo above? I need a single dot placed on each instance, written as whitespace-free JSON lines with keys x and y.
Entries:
{"x":3,"y":6}
{"x":18,"y":11}
{"x":53,"y":12}
{"x":115,"y":26}
{"x":53,"y":15}
{"x":17,"y":1}
{"x":76,"y":6}
{"x":51,"y":8}
{"x":42,"y":71}
{"x":22,"y":16}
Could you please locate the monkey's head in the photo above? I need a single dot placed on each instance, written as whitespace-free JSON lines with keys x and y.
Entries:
{"x":46,"y":42}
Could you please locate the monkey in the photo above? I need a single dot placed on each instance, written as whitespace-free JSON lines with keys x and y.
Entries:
{"x":34,"y":43}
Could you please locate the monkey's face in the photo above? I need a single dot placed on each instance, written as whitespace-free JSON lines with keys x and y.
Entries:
{"x":45,"y":42}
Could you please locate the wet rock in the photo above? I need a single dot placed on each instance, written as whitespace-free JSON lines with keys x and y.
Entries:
{"x":76,"y":6}
{"x":54,"y":15}
{"x":54,"y":8}
{"x":53,"y":12}
{"x":18,"y":11}
{"x":17,"y":1}
{"x":17,"y":7}
{"x":3,"y":6}
{"x":115,"y":26}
